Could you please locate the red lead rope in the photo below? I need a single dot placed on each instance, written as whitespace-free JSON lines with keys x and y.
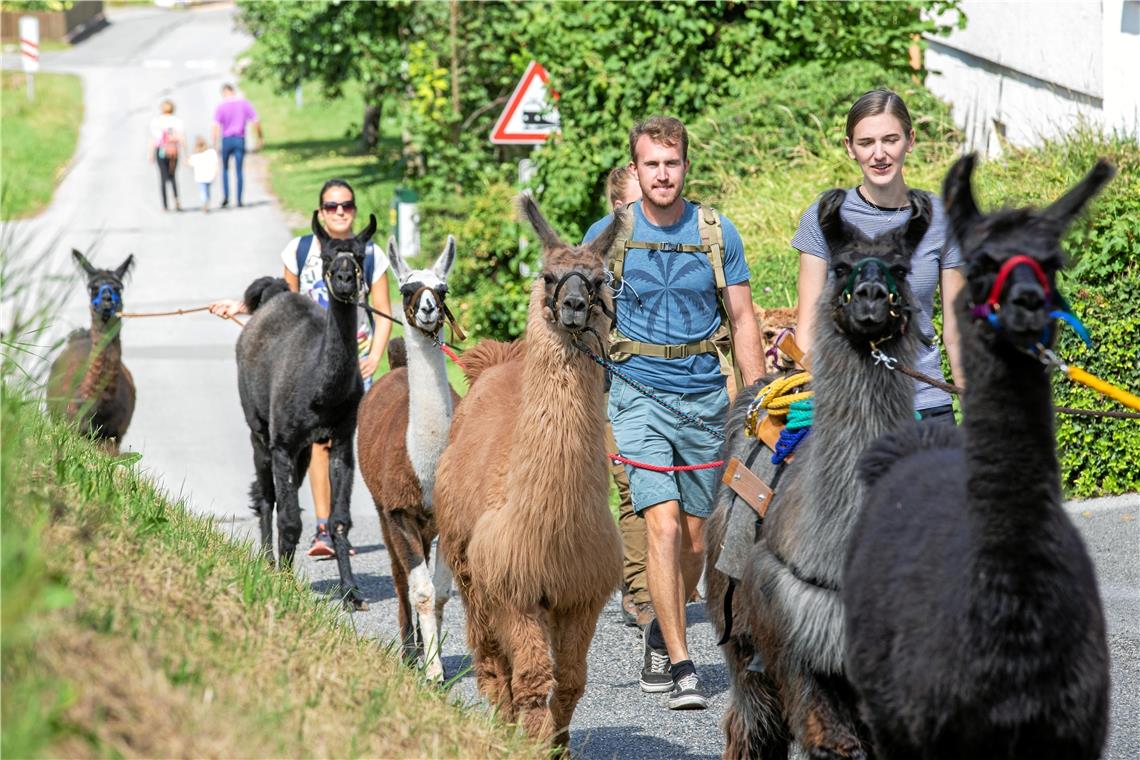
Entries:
{"x":660,"y":468}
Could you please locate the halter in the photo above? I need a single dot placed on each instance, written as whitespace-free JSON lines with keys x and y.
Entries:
{"x":892,"y":286}
{"x":773,"y":351}
{"x":990,"y":309}
{"x":116,"y":299}
{"x":358,"y":275}
{"x":440,"y":293}
{"x":592,"y":299}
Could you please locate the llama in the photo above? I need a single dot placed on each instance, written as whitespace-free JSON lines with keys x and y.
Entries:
{"x":774,"y":323}
{"x":785,"y":649}
{"x":402,"y":430}
{"x":522,"y":489}
{"x":88,"y":381}
{"x":974,"y":625}
{"x":299,"y":382}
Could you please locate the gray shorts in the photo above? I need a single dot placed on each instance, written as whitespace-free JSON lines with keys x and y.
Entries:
{"x":647,"y":432}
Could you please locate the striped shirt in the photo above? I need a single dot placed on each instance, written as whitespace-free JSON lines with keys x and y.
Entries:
{"x":935,"y":253}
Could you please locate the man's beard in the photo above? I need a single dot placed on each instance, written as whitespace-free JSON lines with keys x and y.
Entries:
{"x":674,"y":194}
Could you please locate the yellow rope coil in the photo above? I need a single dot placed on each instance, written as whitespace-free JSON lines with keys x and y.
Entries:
{"x":1078,"y":375}
{"x":775,"y":398}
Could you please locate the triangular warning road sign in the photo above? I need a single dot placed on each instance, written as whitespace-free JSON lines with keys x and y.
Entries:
{"x":529,"y":116}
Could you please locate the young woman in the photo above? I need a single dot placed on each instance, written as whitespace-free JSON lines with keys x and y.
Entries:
{"x":167,"y":140}
{"x":879,"y":137}
{"x":337,"y":213}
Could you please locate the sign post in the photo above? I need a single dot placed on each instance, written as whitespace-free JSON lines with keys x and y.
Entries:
{"x":30,"y":50}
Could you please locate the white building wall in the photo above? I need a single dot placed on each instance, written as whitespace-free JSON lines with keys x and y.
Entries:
{"x":1030,"y":71}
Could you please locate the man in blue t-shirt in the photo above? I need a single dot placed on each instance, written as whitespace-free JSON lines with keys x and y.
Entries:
{"x":666,"y":304}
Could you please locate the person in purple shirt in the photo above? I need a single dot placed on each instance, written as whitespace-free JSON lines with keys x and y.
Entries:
{"x":230,"y":120}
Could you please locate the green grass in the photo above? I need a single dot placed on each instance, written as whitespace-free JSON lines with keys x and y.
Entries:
{"x":133,"y":628}
{"x":37,"y":139}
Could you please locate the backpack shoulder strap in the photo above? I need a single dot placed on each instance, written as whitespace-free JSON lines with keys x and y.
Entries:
{"x":621,"y":242}
{"x":369,"y":263}
{"x":303,"y":246}
{"x":712,"y":236}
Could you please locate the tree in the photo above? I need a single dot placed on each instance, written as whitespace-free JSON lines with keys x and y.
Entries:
{"x":331,"y":43}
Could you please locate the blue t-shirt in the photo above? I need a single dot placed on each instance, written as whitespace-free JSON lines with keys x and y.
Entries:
{"x":936,"y":251}
{"x":669,"y":297}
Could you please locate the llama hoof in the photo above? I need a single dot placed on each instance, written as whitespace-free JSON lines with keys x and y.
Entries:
{"x":354,"y":602}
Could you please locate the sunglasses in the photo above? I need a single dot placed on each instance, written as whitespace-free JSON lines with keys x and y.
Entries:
{"x":331,"y":206}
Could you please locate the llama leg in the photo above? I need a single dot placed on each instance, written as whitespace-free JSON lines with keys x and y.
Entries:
{"x":409,"y":543}
{"x":394,"y":540}
{"x":288,"y":508}
{"x":753,"y":723}
{"x":570,"y":636}
{"x":263,"y":493}
{"x":340,"y":476}
{"x":532,"y":670}
{"x":441,"y":580}
{"x":823,"y":708}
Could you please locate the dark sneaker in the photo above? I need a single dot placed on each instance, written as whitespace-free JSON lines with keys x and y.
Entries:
{"x":655,"y":675}
{"x":628,"y":610}
{"x":645,"y":614}
{"x":322,"y":545}
{"x":687,"y":694}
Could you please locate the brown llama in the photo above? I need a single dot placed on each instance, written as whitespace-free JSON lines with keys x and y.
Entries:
{"x":522,"y":492}
{"x":88,"y":381}
{"x":402,"y":427}
{"x":773,"y":324}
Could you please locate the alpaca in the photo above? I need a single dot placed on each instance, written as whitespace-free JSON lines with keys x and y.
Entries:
{"x":88,"y":381}
{"x":299,"y":382}
{"x":522,"y":490}
{"x":974,"y":625}
{"x":402,"y":430}
{"x":785,"y":650}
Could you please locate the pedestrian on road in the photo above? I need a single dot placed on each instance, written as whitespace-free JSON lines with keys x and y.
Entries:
{"x":167,"y":140}
{"x":636,"y":607}
{"x":678,"y":261}
{"x":204,"y":162}
{"x":231,"y":118}
{"x":304,"y":274}
{"x":879,"y":137}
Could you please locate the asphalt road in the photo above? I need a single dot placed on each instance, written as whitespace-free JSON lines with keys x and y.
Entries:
{"x":188,"y":424}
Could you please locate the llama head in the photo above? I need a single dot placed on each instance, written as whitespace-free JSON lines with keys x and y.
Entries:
{"x":1012,"y":256}
{"x":423,"y":290}
{"x":774,"y":324}
{"x":573,"y":276}
{"x":343,"y":260}
{"x":104,"y":286}
{"x":867,"y":293}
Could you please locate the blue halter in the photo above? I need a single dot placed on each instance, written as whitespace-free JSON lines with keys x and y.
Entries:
{"x":116,"y":299}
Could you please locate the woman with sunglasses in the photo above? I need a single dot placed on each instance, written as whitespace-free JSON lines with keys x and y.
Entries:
{"x":303,"y":274}
{"x":879,"y":137}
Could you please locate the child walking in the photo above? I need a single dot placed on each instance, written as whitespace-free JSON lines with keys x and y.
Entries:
{"x":204,"y":161}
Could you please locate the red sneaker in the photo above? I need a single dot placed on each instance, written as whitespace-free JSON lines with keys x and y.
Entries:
{"x":322,"y":544}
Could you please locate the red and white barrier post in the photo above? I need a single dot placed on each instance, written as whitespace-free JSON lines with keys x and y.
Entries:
{"x":30,"y":50}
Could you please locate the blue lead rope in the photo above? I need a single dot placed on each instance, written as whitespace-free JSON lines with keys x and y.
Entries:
{"x":787,"y":443}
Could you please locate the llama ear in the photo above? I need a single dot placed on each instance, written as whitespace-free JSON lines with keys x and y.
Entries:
{"x":920,"y":214}
{"x":958,"y":197}
{"x":446,"y":259}
{"x":125,"y":267}
{"x":367,"y":233}
{"x":604,"y":243}
{"x":1066,"y":208}
{"x":835,"y":231}
{"x":84,"y":264}
{"x":399,"y":266}
{"x":319,"y":231}
{"x":546,"y":233}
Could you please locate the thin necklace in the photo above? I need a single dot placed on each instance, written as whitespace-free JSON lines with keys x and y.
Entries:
{"x":882,"y":210}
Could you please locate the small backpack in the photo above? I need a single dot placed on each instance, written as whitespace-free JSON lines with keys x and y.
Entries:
{"x":168,"y":148}
{"x":306,"y":242}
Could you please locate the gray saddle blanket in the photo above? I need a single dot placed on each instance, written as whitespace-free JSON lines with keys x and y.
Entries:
{"x":742,"y":527}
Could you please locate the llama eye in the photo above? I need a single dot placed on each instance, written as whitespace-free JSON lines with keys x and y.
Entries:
{"x":549,"y":278}
{"x":899,"y":272}
{"x":841,"y":270}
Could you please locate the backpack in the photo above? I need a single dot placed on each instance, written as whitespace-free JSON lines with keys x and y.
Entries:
{"x":306,"y":242}
{"x":712,"y":245}
{"x":168,"y":148}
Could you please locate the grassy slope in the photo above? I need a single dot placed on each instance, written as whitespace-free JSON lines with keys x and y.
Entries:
{"x":131,"y":628}
{"x":308,"y":145}
{"x":37,"y":139}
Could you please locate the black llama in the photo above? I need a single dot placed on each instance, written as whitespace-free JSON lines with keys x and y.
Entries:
{"x":785,"y":651}
{"x":88,"y":381}
{"x":974,"y":625}
{"x":299,"y":382}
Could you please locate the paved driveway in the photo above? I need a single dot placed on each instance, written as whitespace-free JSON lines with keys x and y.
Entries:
{"x":188,"y":423}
